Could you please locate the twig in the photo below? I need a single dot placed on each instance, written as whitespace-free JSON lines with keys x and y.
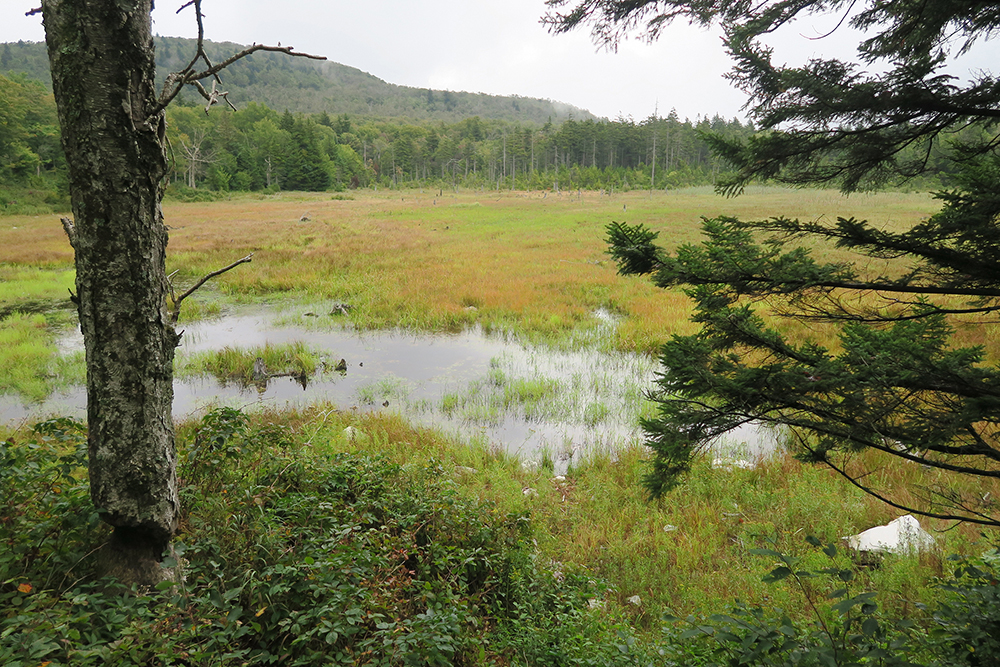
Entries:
{"x":177,"y":302}
{"x":176,"y":81}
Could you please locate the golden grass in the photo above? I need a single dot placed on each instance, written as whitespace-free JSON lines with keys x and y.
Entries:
{"x":689,"y":552}
{"x":531,"y":261}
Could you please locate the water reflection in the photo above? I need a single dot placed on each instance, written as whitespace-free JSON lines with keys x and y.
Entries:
{"x":522,"y":399}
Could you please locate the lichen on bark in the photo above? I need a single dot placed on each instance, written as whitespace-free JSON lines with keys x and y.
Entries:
{"x":101,"y":56}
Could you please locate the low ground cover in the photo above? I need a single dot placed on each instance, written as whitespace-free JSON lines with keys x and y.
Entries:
{"x":327,"y":535}
{"x":322,"y":537}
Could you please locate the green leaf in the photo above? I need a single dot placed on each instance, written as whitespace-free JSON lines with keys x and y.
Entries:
{"x":777,"y":574}
{"x":766,"y":552}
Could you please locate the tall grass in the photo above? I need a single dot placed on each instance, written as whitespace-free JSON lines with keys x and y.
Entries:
{"x":25,"y":356}
{"x":243,"y":366}
{"x":514,"y":261}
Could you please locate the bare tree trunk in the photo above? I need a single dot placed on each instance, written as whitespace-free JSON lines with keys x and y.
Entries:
{"x":101,"y":56}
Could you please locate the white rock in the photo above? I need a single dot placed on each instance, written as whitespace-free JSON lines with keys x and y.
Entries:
{"x":530,"y":465}
{"x":635,"y":600}
{"x":669,"y":528}
{"x":898,"y":536}
{"x":727,"y":462}
{"x":528,"y":491}
{"x":353,"y":435}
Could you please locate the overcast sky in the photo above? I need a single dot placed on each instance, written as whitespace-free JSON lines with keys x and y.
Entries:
{"x":489,"y":46}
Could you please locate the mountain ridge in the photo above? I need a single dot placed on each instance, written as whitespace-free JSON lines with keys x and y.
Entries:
{"x":309,"y":86}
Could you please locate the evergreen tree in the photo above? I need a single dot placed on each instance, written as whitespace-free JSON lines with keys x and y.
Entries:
{"x":896,"y":382}
{"x":304,"y":166}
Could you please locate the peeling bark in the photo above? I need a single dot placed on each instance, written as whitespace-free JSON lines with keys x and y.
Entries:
{"x":101,"y":56}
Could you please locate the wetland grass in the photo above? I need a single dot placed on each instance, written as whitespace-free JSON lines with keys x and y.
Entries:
{"x":514,"y":261}
{"x":535,"y":266}
{"x":255,"y":365}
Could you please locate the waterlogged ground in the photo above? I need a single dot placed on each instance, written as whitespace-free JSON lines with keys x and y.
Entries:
{"x":530,"y":401}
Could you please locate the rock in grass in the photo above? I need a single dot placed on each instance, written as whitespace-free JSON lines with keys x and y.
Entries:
{"x":900,"y":535}
{"x":354,"y":435}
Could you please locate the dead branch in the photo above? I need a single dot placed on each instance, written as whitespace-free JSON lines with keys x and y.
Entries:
{"x":213,"y":97}
{"x":176,"y":312}
{"x":189,"y":75}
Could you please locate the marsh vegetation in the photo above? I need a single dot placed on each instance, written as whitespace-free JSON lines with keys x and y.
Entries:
{"x":358,"y":526}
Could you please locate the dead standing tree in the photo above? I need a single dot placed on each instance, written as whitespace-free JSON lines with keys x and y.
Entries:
{"x":113,"y":134}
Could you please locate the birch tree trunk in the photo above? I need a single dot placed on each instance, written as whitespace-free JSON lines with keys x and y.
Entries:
{"x":101,"y":56}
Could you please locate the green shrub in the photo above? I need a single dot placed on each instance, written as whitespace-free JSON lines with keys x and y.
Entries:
{"x":967,"y":621}
{"x":293,"y":554}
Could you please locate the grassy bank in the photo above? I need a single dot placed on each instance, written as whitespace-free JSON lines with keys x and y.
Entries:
{"x":327,"y":536}
{"x":322,"y":537}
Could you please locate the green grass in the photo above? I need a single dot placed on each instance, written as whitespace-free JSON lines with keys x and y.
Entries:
{"x":28,"y":285}
{"x":303,"y":545}
{"x":232,"y":364}
{"x":25,"y":356}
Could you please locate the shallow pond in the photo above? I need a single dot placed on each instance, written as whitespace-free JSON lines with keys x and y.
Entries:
{"x":527,"y":400}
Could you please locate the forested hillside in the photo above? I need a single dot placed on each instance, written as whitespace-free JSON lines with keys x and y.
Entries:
{"x":257,"y":148}
{"x":262,"y":147}
{"x":309,"y":86}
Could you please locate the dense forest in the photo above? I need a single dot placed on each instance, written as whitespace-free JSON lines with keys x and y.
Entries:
{"x":257,"y":148}
{"x":260,"y":148}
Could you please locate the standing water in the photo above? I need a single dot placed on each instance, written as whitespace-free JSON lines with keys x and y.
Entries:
{"x":529,"y":401}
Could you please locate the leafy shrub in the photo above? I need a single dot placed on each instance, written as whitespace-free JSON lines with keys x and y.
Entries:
{"x":292,"y":555}
{"x":968,"y":619}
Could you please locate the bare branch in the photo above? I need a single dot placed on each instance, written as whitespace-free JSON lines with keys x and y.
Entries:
{"x":33,"y":12}
{"x":175,"y":313}
{"x":213,"y":97}
{"x":176,"y":81}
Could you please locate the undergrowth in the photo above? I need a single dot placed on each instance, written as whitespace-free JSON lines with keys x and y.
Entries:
{"x":294,"y":554}
{"x":301,"y":546}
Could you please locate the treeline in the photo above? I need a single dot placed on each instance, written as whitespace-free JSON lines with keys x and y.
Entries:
{"x":32,"y":166}
{"x":260,"y":149}
{"x":257,"y":148}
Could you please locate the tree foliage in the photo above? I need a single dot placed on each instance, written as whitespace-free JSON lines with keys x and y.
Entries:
{"x":895,"y":381}
{"x":29,"y":130}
